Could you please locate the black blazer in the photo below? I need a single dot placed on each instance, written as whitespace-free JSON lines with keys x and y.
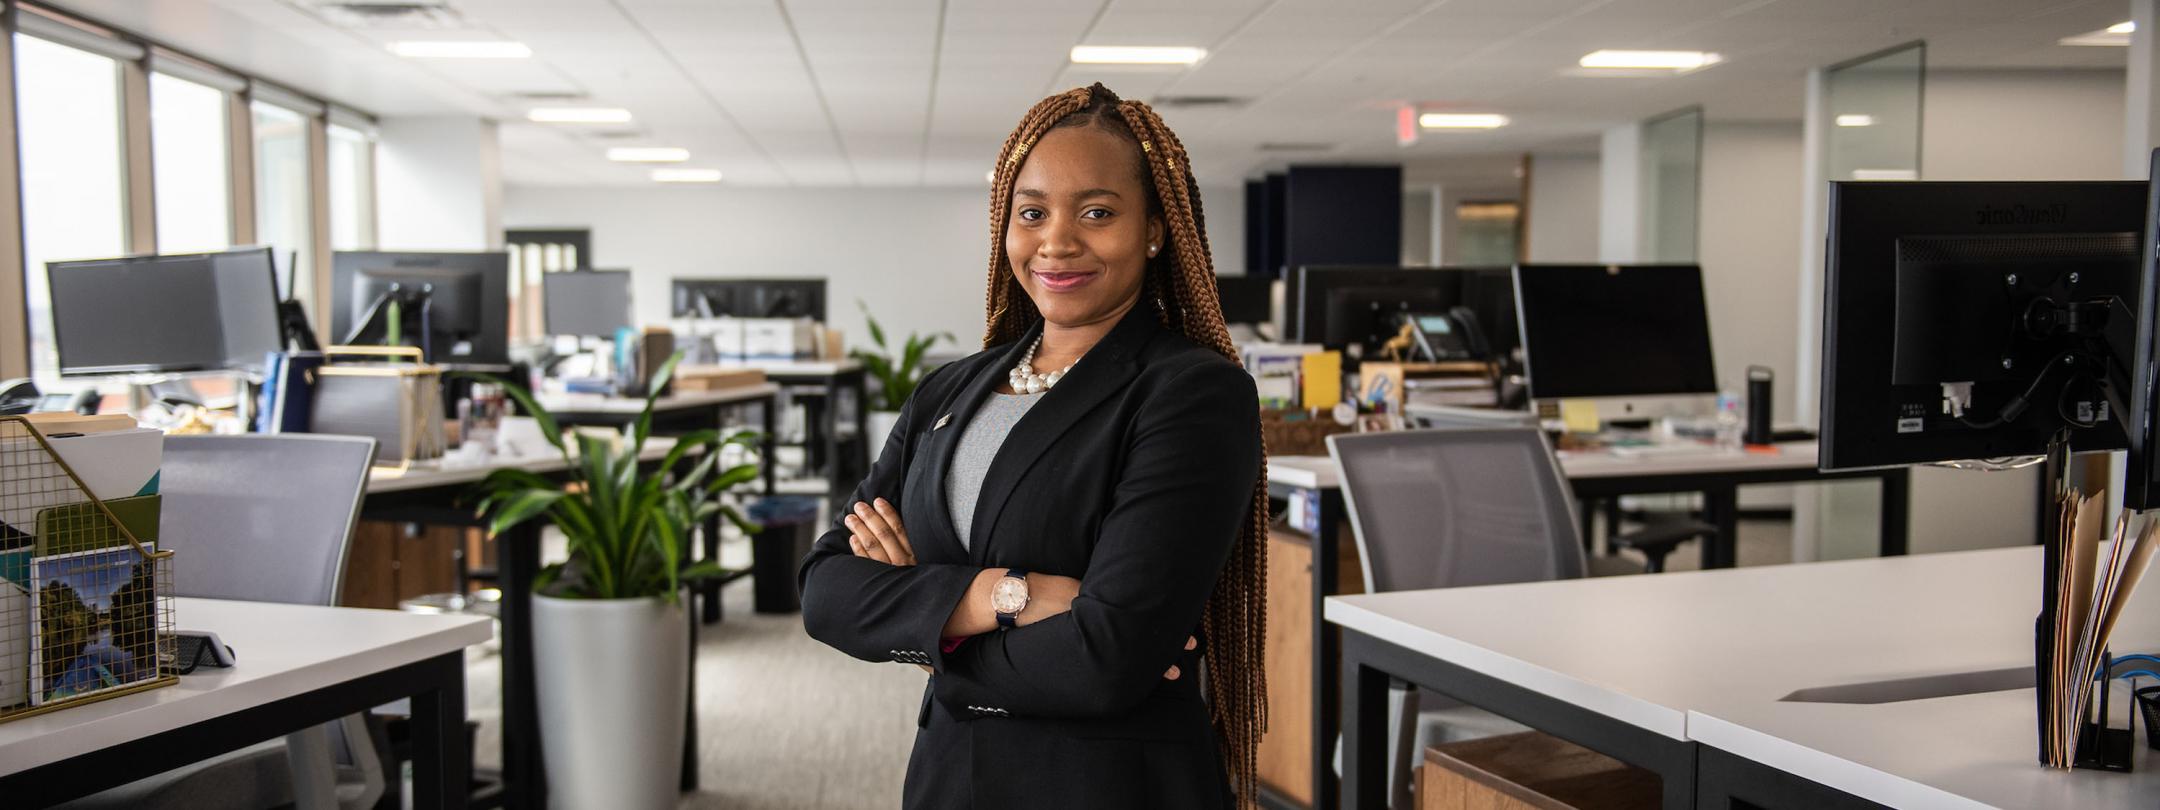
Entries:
{"x":1133,"y":475}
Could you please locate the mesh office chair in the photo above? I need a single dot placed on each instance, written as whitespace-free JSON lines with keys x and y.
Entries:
{"x":1458,"y":507}
{"x":267,"y":519}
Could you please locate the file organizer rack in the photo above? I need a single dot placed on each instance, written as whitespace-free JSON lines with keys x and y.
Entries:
{"x":86,"y":610}
{"x":2097,"y":746}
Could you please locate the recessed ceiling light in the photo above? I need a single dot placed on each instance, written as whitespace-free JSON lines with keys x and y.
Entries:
{"x":648,"y":154}
{"x":1855,"y":120}
{"x":686,"y":175}
{"x":578,"y":115}
{"x":1462,"y":120}
{"x":1123,"y":55}
{"x":2113,"y":36}
{"x":1678,"y":61}
{"x":426,"y":49}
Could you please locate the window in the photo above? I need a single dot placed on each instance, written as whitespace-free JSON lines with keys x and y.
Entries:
{"x":352,"y":189}
{"x":284,"y":203}
{"x":188,"y":154}
{"x":74,"y":197}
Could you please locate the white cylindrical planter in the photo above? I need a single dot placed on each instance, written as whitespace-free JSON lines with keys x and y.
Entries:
{"x":612,"y":676}
{"x":881,"y":426}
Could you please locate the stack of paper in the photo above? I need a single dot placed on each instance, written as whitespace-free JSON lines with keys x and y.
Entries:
{"x":2088,"y":598}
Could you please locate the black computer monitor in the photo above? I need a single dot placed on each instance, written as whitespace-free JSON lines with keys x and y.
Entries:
{"x":586,"y":303}
{"x":191,"y":312}
{"x":1489,"y":293}
{"x":748,"y":298}
{"x":1340,"y":307}
{"x":1246,"y":299}
{"x":467,"y":302}
{"x":2140,"y":408}
{"x":1633,"y":338}
{"x":1976,"y":320}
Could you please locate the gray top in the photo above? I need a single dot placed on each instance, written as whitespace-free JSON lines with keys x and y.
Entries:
{"x":984,"y":434}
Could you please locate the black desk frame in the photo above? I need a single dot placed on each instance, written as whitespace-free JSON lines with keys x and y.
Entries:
{"x":1721,"y":500}
{"x":441,"y":765}
{"x":820,"y":393}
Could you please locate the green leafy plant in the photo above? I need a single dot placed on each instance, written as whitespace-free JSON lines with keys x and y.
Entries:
{"x":896,"y":377}
{"x":627,"y":529}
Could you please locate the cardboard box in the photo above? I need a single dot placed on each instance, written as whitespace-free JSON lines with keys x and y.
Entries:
{"x":715,"y":378}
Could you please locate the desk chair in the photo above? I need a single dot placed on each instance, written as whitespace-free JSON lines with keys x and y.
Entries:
{"x":1459,"y":507}
{"x":267,"y":519}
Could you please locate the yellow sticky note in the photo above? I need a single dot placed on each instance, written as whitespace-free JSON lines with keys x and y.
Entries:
{"x":1323,"y":379}
{"x":1580,"y":415}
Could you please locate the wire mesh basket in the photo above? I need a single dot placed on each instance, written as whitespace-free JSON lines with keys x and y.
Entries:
{"x":86,"y":609}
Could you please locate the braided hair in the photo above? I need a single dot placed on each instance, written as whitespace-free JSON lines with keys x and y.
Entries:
{"x":1181,"y":279}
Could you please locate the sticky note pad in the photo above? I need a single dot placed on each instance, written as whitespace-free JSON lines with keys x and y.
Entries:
{"x":1580,"y":415}
{"x":1323,"y":379}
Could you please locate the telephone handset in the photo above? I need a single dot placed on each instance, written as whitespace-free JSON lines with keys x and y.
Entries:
{"x":1449,"y":336}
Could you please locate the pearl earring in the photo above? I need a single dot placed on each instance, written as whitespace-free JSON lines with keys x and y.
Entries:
{"x":1151,"y":250}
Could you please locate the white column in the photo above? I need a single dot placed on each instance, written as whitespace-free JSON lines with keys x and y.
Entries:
{"x":2141,"y":115}
{"x":1621,"y":217}
{"x":1814,"y":222}
{"x":438,"y":184}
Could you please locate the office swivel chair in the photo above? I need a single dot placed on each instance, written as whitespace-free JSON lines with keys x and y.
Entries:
{"x":1459,"y":507}
{"x":267,"y":519}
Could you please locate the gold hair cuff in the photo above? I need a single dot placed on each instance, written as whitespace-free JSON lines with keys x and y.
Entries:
{"x":1018,"y":152}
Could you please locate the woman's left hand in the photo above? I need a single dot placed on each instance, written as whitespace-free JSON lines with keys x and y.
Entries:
{"x":878,"y":534}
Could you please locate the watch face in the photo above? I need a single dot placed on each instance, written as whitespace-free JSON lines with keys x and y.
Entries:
{"x":1009,"y":595}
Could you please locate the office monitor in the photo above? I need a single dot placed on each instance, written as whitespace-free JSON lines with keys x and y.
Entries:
{"x":586,"y":303}
{"x":747,"y":298}
{"x":1976,"y":320}
{"x":455,"y":306}
{"x":1340,"y":307}
{"x":1635,"y":339}
{"x":1489,"y":293}
{"x":152,"y":314}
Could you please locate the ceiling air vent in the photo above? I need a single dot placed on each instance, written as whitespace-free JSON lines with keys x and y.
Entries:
{"x":617,"y":135}
{"x":551,"y":96}
{"x":401,"y":14}
{"x":1198,"y":102}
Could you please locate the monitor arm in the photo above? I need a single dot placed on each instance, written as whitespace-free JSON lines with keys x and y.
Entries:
{"x":375,"y":324}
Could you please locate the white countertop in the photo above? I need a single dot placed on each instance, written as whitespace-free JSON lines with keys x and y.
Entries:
{"x":678,"y":401}
{"x":281,"y":650}
{"x":796,"y":366}
{"x":1319,"y":472}
{"x":422,"y":475}
{"x":1707,"y":655}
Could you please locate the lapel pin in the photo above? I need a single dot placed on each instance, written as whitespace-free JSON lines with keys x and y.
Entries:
{"x":941,"y":421}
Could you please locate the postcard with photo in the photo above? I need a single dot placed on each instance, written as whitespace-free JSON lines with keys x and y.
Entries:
{"x":96,"y":623}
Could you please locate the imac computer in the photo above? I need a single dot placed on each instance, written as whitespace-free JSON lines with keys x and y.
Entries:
{"x":586,"y":303}
{"x":747,"y":298}
{"x":1634,"y":339}
{"x":454,"y":306}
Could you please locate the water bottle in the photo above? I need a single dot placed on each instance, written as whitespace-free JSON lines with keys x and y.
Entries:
{"x":1731,"y":422}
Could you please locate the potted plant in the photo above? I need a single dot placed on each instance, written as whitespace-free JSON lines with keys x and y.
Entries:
{"x":609,"y":627}
{"x":896,"y":377}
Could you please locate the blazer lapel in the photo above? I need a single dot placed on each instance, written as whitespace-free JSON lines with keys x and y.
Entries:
{"x":944,"y":440}
{"x":1103,"y":371}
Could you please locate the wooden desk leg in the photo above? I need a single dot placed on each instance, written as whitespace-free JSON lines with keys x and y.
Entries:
{"x":1721,"y":507}
{"x":1896,"y":506}
{"x":442,"y":768}
{"x":524,"y":772}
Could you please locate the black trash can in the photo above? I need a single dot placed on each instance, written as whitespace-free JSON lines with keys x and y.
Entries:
{"x":790,"y":527}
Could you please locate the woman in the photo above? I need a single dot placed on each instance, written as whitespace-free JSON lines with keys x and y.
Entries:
{"x":1059,"y":522}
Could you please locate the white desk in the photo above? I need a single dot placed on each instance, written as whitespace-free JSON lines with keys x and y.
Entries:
{"x":433,"y":474}
{"x":1319,"y":472}
{"x":1643,"y":666}
{"x":297,"y":666}
{"x":632,"y":406}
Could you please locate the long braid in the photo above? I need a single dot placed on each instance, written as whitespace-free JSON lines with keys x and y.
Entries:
{"x":1182,"y":278}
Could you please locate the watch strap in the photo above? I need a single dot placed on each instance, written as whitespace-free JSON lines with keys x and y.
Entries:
{"x":1008,"y":621}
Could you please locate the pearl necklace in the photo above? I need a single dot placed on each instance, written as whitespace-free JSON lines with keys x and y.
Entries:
{"x":1024,"y":379}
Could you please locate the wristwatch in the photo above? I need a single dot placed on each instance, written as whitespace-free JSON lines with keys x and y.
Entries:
{"x":1009,"y":596}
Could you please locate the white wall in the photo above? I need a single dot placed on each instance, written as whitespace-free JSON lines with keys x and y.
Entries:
{"x":1620,"y":215}
{"x":1563,"y":208}
{"x":1418,"y":223}
{"x":916,"y":257}
{"x":438,"y":184}
{"x":1750,"y":206}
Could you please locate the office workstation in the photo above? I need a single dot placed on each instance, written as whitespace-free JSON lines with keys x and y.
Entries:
{"x":461,"y":403}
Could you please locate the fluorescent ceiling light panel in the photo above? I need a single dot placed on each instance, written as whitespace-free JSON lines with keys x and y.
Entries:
{"x":686,"y":175}
{"x":1124,"y":55}
{"x":648,"y":154}
{"x":1679,"y":61}
{"x":578,"y":115}
{"x":426,"y":49}
{"x":1856,"y":120}
{"x":2113,"y":36}
{"x":1462,"y":120}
